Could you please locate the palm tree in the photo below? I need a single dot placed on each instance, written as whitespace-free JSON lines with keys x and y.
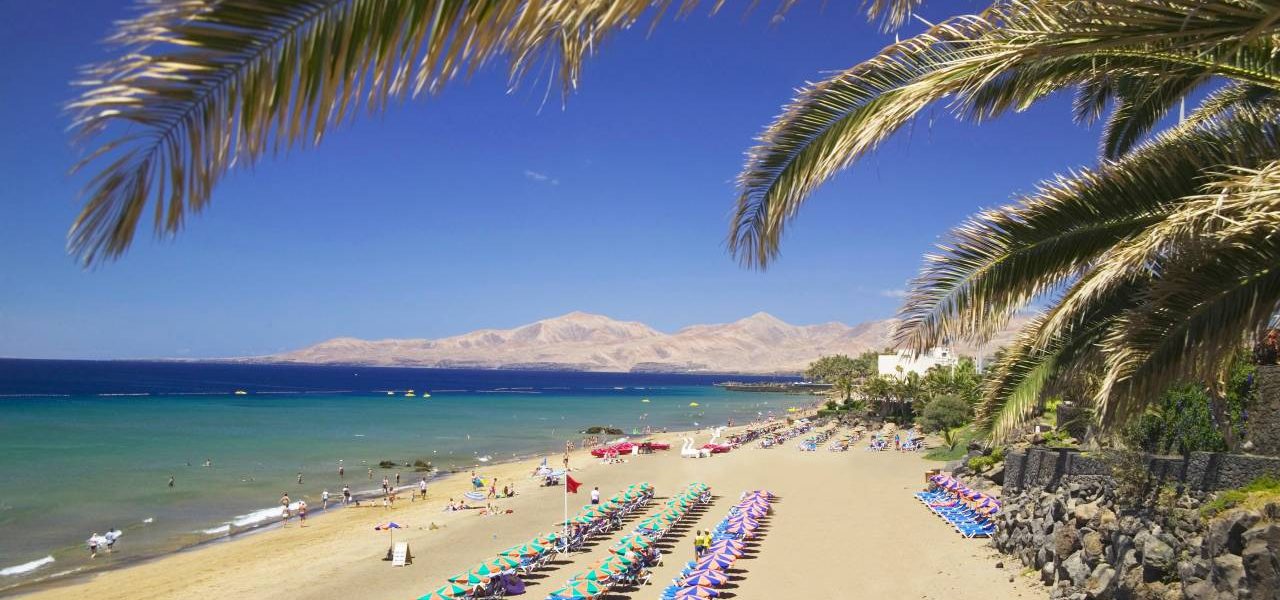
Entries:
{"x":1155,"y":263}
{"x":198,"y":87}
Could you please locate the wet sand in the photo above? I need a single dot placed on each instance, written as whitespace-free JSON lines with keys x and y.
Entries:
{"x":845,"y":526}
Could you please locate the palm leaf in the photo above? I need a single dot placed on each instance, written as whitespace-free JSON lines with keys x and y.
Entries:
{"x":998,"y":261}
{"x":1216,"y":260}
{"x":1010,"y":56}
{"x":200,"y":86}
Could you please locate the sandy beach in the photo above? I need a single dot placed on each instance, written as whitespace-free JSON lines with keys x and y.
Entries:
{"x":845,"y":526}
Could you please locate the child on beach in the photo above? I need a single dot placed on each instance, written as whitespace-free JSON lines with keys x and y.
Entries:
{"x":302,"y":513}
{"x":324,"y":499}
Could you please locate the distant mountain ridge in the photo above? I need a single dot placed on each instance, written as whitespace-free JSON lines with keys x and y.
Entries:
{"x":760,"y":343}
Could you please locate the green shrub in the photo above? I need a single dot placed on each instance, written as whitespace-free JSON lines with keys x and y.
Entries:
{"x":979,"y":464}
{"x":421,"y":465}
{"x":1258,"y":491}
{"x":386,"y":464}
{"x":945,"y":413}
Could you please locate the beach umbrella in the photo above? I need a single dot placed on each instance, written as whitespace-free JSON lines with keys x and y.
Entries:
{"x":730,"y":544}
{"x":597,"y":574}
{"x":523,"y":550}
{"x":697,"y":592}
{"x":448,"y":592}
{"x":485,"y":570}
{"x":706,"y":578}
{"x":469,"y":578}
{"x":389,"y":527}
{"x":721,"y":561}
{"x":738,"y":529}
{"x":616,"y":563}
{"x":580,"y":588}
{"x":549,"y":538}
{"x":504,"y":562}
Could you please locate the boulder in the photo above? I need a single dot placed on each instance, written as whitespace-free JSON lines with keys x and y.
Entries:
{"x":1091,"y":544}
{"x":1107,"y":521}
{"x":1226,"y":533}
{"x":1261,"y":565}
{"x":1101,"y":583}
{"x":1076,"y":570}
{"x":1085,"y":513}
{"x":1047,"y":573}
{"x":1228,"y":573}
{"x":1158,"y":559}
{"x":1066,"y":540}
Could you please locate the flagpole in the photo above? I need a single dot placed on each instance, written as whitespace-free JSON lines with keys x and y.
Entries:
{"x":566,"y":503}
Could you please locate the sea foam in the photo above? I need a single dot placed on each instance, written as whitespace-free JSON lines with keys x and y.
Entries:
{"x":26,"y":567}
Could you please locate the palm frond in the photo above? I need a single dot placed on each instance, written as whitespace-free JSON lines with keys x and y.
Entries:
{"x":1010,"y":56}
{"x":200,"y":86}
{"x":999,"y":260}
{"x":1141,"y":103}
{"x":1216,"y":260}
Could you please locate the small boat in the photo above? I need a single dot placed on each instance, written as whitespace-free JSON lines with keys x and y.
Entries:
{"x":485,"y":458}
{"x":391,"y":393}
{"x":241,"y":393}
{"x":409,"y":394}
{"x":693,"y":404}
{"x":645,"y":400}
{"x":426,"y":395}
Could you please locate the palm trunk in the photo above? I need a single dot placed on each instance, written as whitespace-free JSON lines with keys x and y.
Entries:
{"x":1222,"y":419}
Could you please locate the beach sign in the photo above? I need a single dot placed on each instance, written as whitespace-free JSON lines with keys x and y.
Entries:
{"x":400,"y":556}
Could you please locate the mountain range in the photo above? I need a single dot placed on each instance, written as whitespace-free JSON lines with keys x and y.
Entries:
{"x":760,"y":343}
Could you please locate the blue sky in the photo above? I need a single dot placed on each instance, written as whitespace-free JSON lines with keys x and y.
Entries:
{"x":479,"y":208}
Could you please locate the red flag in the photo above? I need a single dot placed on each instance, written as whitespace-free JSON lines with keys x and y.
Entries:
{"x":571,"y":485}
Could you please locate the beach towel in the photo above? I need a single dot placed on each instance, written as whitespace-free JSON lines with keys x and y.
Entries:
{"x":477,"y":496}
{"x":512,"y":585}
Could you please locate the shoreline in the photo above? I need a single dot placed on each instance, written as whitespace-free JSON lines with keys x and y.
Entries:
{"x":84,"y":574}
{"x":862,"y":511}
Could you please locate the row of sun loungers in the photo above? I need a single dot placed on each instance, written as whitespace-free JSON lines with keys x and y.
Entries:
{"x":811,"y":443}
{"x":777,"y":438}
{"x":909,"y":441}
{"x":629,"y":559}
{"x":969,"y":511}
{"x":703,"y":577}
{"x":501,"y":576}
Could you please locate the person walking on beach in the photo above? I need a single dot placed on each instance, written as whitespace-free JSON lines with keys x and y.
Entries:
{"x":93,"y":544}
{"x":284,"y":508}
{"x":302,"y":513}
{"x":493,"y":487}
{"x":346,"y":494}
{"x":595,"y":495}
{"x":111,"y":536}
{"x":397,"y":479}
{"x":697,"y":544}
{"x":422,"y":487}
{"x":324,"y":499}
{"x":386,"y":485}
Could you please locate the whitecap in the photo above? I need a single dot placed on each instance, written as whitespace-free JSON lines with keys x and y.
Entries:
{"x":224,"y":529}
{"x":25,"y":567}
{"x":149,"y":520}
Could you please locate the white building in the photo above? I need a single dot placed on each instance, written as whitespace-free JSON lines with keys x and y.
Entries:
{"x":897,"y":365}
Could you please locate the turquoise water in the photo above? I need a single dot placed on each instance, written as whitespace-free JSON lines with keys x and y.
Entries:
{"x":73,"y":465}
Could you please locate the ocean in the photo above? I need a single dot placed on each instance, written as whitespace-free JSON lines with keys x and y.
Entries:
{"x":90,"y":445}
